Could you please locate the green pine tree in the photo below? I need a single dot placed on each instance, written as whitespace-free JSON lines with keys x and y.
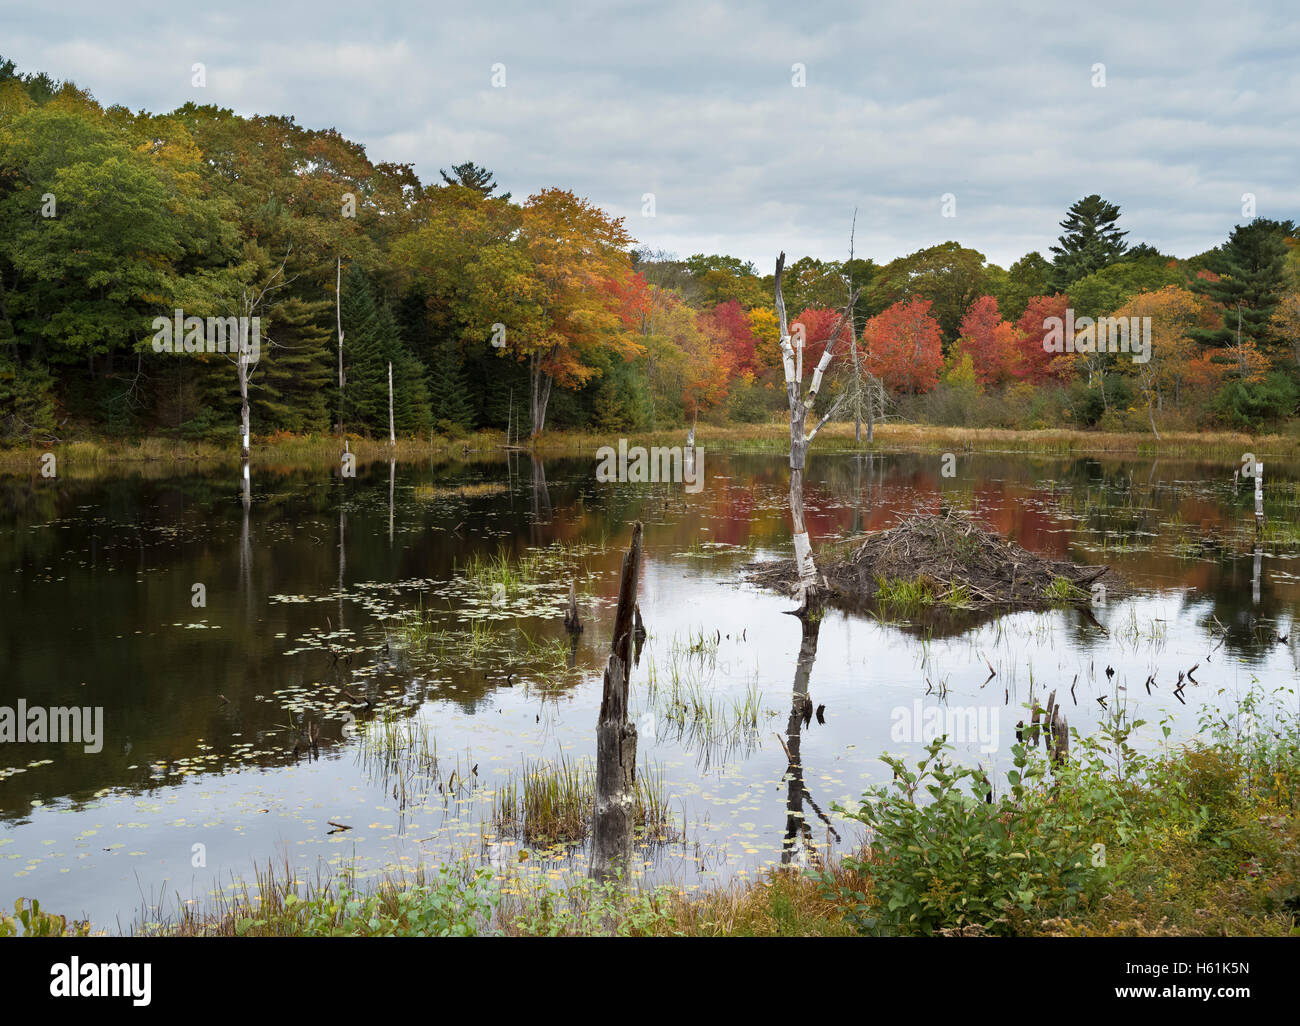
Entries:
{"x":296,"y":367}
{"x":447,"y":386}
{"x":1251,"y":267}
{"x":372,"y":339}
{"x":1089,"y":242}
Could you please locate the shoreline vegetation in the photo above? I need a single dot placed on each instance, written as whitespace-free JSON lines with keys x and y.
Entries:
{"x":1198,"y":839}
{"x":290,"y":451}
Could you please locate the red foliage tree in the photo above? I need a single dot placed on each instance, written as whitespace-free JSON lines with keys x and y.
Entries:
{"x":1034,"y":364}
{"x":818,"y":323}
{"x":729,"y":325}
{"x":903,"y":346}
{"x":991,"y":342}
{"x":631,"y":293}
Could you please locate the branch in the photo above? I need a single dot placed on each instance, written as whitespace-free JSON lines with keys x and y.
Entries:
{"x":835,"y":408}
{"x":829,"y":352}
{"x":787,"y":351}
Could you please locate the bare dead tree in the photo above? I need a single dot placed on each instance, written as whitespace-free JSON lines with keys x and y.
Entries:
{"x":392,"y":434}
{"x":615,"y":805}
{"x":338,"y":313}
{"x":251,"y":300}
{"x":801,"y":405}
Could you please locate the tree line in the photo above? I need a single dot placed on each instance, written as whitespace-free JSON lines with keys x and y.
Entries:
{"x":543,"y":312}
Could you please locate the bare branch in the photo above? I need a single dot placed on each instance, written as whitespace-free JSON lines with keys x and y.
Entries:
{"x":828,"y":353}
{"x":835,"y":408}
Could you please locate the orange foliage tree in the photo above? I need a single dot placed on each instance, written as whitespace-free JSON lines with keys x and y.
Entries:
{"x":574,"y":250}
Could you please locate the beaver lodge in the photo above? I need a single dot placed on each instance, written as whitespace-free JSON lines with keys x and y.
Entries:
{"x":947,"y":558}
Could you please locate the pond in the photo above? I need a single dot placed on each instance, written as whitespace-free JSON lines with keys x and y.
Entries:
{"x":357,"y":673}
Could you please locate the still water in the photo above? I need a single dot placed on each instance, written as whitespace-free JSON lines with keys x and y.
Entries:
{"x":211,"y":695}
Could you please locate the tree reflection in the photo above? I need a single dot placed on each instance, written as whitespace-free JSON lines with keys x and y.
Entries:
{"x":799,"y":847}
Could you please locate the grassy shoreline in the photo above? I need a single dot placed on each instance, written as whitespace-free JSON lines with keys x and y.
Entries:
{"x":290,"y":451}
{"x":1200,"y":839}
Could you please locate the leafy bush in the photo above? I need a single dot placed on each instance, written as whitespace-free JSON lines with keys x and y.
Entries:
{"x":29,"y":921}
{"x":450,"y":906}
{"x":1201,"y":840}
{"x":960,"y":861}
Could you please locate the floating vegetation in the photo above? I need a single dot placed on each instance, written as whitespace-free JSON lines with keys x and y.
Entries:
{"x":688,"y":708}
{"x":552,"y":803}
{"x":431,"y":493}
{"x":411,"y":630}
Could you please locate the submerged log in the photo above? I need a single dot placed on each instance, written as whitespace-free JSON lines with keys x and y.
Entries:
{"x":615,"y":804}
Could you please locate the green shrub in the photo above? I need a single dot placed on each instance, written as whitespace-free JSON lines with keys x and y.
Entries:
{"x":29,"y":921}
{"x":958,"y":860}
{"x":1250,"y":404}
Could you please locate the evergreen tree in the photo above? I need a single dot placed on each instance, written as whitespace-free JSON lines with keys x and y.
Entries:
{"x":447,"y":388}
{"x":1089,"y":242}
{"x":1251,"y":269}
{"x":372,"y":340}
{"x":445,"y":377}
{"x":474,"y":177}
{"x":296,"y":367}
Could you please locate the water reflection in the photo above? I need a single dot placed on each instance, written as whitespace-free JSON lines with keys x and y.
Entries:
{"x":204,"y":707}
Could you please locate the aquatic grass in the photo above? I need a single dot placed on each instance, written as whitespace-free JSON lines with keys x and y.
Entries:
{"x":470,"y":490}
{"x":905,"y":594}
{"x":1063,"y":590}
{"x":412,"y":629}
{"x":452,"y":900}
{"x":551,"y":803}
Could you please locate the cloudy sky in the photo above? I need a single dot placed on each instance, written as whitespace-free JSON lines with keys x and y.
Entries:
{"x":695,"y":102}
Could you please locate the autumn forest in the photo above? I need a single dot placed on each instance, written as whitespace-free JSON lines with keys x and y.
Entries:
{"x":542,"y":312}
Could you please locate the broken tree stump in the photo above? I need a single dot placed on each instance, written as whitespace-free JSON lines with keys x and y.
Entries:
{"x":615,"y":805}
{"x":572,"y":622}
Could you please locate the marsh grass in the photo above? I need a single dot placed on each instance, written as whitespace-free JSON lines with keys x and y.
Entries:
{"x":477,"y":489}
{"x":551,"y":803}
{"x":412,"y":629}
{"x":88,"y":456}
{"x":1063,"y":591}
{"x":905,"y":594}
{"x":453,"y":900}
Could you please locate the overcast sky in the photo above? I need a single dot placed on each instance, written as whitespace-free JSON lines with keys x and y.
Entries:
{"x":694,"y":102}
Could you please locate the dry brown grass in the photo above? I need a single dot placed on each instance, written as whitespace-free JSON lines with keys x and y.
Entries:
{"x":82,"y":458}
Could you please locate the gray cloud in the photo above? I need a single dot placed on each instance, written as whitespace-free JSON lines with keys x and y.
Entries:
{"x":694,"y":103}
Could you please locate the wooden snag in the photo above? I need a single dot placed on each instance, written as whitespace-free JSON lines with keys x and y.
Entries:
{"x":615,"y":806}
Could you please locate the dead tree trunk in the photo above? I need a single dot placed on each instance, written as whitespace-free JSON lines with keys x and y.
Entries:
{"x":810,"y":597}
{"x":392,"y":435}
{"x":540,"y":385}
{"x":338,"y":313}
{"x":615,"y":807}
{"x":245,"y":428}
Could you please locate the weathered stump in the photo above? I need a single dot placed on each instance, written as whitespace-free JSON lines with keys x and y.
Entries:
{"x":572,"y":622}
{"x":615,"y":806}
